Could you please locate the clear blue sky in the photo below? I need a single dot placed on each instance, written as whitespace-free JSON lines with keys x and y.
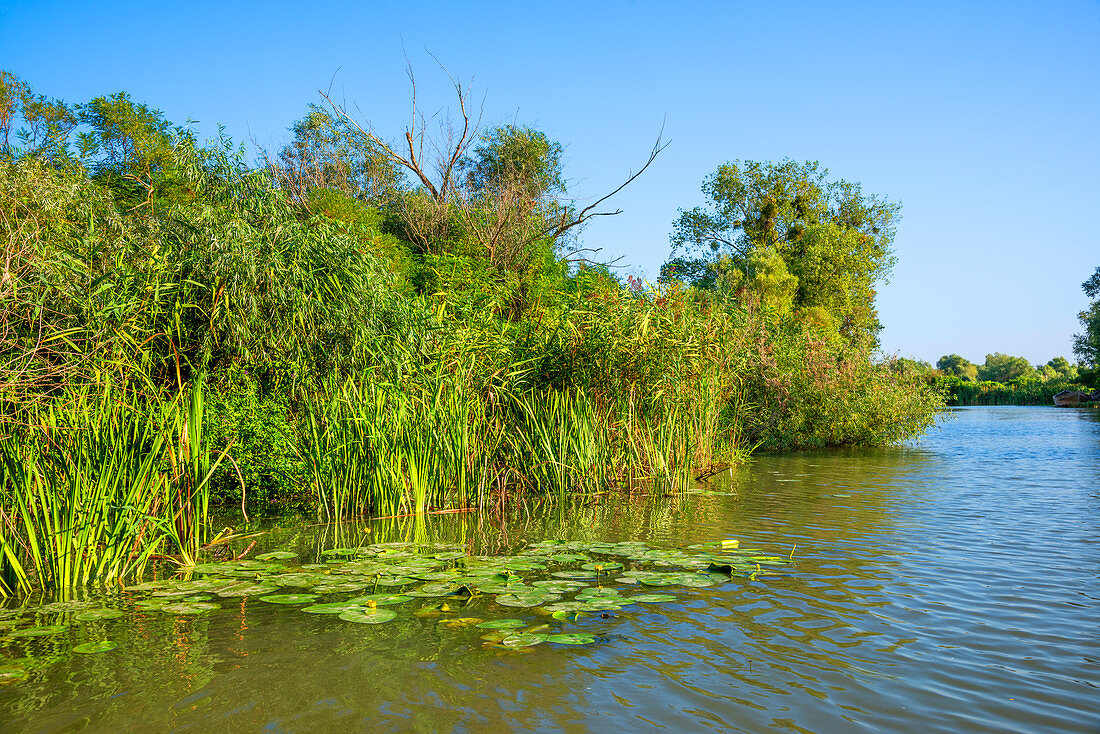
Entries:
{"x":981,"y":118}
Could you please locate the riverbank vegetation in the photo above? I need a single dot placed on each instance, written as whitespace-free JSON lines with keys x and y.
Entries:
{"x":352,"y":328}
{"x":1001,"y":380}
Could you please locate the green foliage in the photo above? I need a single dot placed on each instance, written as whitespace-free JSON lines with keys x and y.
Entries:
{"x":1004,"y":368}
{"x":1026,"y":391}
{"x":255,"y":424}
{"x":97,"y":481}
{"x":834,"y":240}
{"x":327,"y":152}
{"x":520,"y":157}
{"x":313,"y":338}
{"x":953,"y":364}
{"x":32,"y":125}
{"x":1086,"y":345}
{"x":1061,"y":367}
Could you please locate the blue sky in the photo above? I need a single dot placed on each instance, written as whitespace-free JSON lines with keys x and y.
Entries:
{"x":981,"y":118}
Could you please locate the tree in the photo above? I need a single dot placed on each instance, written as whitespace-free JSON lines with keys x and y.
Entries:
{"x":834,"y":240}
{"x":953,"y":364}
{"x":1060,"y":367}
{"x":1004,"y":368}
{"x":327,"y":153}
{"x":513,"y":173}
{"x":32,"y":125}
{"x":1086,"y":345}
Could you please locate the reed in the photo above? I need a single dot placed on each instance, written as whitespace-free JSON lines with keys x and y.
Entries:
{"x":82,"y":489}
{"x":97,"y":481}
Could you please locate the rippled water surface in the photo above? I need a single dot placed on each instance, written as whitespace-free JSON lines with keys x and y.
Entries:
{"x":942,"y":587}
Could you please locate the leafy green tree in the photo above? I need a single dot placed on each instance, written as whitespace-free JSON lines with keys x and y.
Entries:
{"x":130,"y":148}
{"x":32,"y":125}
{"x":913,"y":366}
{"x":834,"y":240}
{"x":953,"y":364}
{"x":1086,"y":345}
{"x":328,"y":152}
{"x":516,"y":156}
{"x":1061,"y":368}
{"x":1004,"y":368}
{"x":123,"y":136}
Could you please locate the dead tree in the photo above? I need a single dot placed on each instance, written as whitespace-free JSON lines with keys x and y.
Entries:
{"x":501,"y":219}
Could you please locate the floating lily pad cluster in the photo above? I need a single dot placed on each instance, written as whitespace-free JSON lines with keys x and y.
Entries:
{"x":511,"y":601}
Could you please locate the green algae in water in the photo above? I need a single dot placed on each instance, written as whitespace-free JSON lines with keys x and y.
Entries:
{"x":11,"y":673}
{"x":460,"y":622}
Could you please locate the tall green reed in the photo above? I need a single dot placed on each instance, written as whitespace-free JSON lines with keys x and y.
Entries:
{"x":96,"y":482}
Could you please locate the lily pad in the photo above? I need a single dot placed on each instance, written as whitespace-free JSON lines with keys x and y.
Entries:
{"x":94,"y":647}
{"x":571,"y":639}
{"x":331,"y":608}
{"x":574,"y":574}
{"x":392,"y":580}
{"x":653,"y":598}
{"x":245,"y":589}
{"x":380,"y":599}
{"x":525,"y":600}
{"x":568,"y":557}
{"x":197,"y":607}
{"x":289,"y":598}
{"x":523,"y":639}
{"x":502,"y":624}
{"x":341,"y":588}
{"x":368,"y":616}
{"x":276,"y":556}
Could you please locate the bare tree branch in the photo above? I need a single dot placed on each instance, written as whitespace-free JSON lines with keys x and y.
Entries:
{"x":566,"y":224}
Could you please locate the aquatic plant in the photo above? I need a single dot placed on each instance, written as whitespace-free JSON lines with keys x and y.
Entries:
{"x":97,"y":481}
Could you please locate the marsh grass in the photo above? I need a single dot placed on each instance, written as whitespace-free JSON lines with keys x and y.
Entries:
{"x":98,"y":481}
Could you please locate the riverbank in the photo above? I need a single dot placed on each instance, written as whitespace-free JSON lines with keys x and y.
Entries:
{"x":186,"y":329}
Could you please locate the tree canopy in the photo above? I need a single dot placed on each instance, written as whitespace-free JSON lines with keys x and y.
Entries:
{"x":1000,"y":367}
{"x":832,"y":239}
{"x":953,"y":364}
{"x":1086,"y":345}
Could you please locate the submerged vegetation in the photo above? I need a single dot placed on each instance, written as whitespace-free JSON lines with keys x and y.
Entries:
{"x":354,"y":329}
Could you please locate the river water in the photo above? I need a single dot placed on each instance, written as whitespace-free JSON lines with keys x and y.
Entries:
{"x":950,"y":585}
